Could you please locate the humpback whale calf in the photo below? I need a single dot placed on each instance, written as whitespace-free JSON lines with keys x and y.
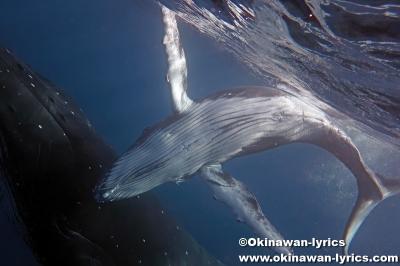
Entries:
{"x":201,"y":135}
{"x":51,"y":158}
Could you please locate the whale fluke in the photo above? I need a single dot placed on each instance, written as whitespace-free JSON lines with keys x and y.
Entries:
{"x":372,"y":187}
{"x":368,"y":198}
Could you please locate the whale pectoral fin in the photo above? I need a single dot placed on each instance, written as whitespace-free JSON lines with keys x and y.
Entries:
{"x":244,"y":204}
{"x":78,"y":249}
{"x":177,"y":70}
{"x":372,"y":188}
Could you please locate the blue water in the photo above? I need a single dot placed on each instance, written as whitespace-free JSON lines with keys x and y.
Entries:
{"x":109,"y":57}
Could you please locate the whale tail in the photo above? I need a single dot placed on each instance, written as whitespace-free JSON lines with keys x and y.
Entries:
{"x":369,"y":196}
{"x":372,"y":187}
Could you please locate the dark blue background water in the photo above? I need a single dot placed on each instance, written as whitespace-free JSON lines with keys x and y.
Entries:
{"x":109,"y":57}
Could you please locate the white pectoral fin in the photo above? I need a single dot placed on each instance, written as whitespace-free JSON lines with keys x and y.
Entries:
{"x":243,"y":203}
{"x":177,"y":70}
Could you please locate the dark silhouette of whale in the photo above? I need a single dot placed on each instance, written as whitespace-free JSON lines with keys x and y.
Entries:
{"x":51,"y":159}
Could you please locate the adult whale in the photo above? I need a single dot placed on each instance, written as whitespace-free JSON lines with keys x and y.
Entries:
{"x":51,"y":158}
{"x":202,"y":135}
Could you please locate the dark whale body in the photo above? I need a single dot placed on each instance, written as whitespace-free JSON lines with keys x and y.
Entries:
{"x":51,"y":159}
